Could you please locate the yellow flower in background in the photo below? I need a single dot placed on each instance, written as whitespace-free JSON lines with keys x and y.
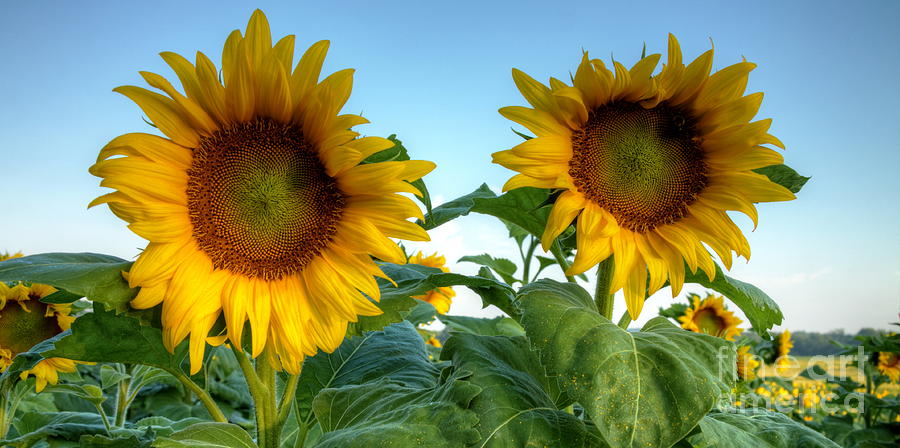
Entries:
{"x":441,"y":298}
{"x":434,"y":342}
{"x":783,"y":346}
{"x":746,"y":363}
{"x":255,"y":203}
{"x":7,"y":255}
{"x":650,"y":165}
{"x":710,"y":316}
{"x":26,"y":321}
{"x":889,"y":365}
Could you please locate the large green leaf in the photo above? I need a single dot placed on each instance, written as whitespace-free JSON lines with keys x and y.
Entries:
{"x":524,"y":207}
{"x":413,"y":280}
{"x":498,"y":326}
{"x":103,"y":336}
{"x":95,"y":276}
{"x":646,"y":388}
{"x":785,"y":176}
{"x":385,"y":414}
{"x":35,"y":426}
{"x":506,"y":269}
{"x":518,"y":405}
{"x":460,"y":206}
{"x":396,"y":353}
{"x":759,"y":308}
{"x":207,"y":435}
{"x":756,"y":428}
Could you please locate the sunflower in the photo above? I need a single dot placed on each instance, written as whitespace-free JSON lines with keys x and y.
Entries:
{"x":25,"y":321}
{"x":746,"y":363}
{"x":711,"y":317}
{"x":442,"y":297}
{"x":434,"y":342}
{"x":255,"y":201}
{"x":889,"y":365}
{"x":648,"y":164}
{"x":783,"y":346}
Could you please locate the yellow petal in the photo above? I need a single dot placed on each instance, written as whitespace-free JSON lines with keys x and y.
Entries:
{"x":567,"y":206}
{"x":164,"y":113}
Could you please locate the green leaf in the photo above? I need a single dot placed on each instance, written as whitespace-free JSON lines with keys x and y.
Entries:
{"x":460,"y":206}
{"x":756,"y":428}
{"x":785,"y":176}
{"x":103,"y":336}
{"x":413,"y":280}
{"x":61,"y":296}
{"x":35,"y":426}
{"x":498,"y":326}
{"x":523,"y":207}
{"x":89,"y":392}
{"x":759,"y":308}
{"x":385,"y":414}
{"x":506,"y":269}
{"x":95,"y":276}
{"x":396,"y":353}
{"x":207,"y":435}
{"x":518,"y":405}
{"x":646,"y":388}
{"x":109,"y":376}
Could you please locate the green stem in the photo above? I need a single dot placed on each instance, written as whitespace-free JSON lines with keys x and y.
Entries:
{"x":302,"y":431}
{"x":526,"y":259}
{"x":4,"y":424}
{"x":260,"y":396}
{"x":602,"y":296}
{"x":104,"y":418}
{"x":287,"y":399}
{"x":122,"y":403}
{"x":561,"y":260}
{"x":625,"y":321}
{"x":201,"y":394}
{"x":270,"y":432}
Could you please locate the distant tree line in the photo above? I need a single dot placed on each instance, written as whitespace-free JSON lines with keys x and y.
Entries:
{"x":811,"y":343}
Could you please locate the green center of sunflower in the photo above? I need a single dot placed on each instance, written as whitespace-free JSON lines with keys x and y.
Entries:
{"x":710,"y":322}
{"x":20,"y":330}
{"x":260,"y":201}
{"x":644,"y":166}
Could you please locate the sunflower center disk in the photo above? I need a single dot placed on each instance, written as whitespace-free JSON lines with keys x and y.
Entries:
{"x":20,"y":330}
{"x":641,"y":165}
{"x":260,"y":201}
{"x":710,"y":323}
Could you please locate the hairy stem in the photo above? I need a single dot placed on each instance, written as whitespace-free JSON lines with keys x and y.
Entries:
{"x":201,"y":394}
{"x":561,"y":260}
{"x":269,"y":432}
{"x":602,"y":297}
{"x":526,"y":259}
{"x":287,"y":399}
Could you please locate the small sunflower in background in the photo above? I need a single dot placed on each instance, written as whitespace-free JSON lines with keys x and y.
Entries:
{"x":441,"y":298}
{"x":783,"y":346}
{"x":26,"y":321}
{"x":649,"y":165}
{"x":746,"y":363}
{"x":255,"y":201}
{"x":710,"y":316}
{"x":889,"y":365}
{"x":434,"y":342}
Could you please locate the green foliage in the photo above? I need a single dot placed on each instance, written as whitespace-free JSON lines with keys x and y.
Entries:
{"x":498,"y":326}
{"x":103,"y":336}
{"x":412,"y":280}
{"x":506,"y":269}
{"x":387,"y":414}
{"x":759,"y":308}
{"x":785,"y":176}
{"x":518,"y":405}
{"x":628,"y":382}
{"x":207,"y":435}
{"x":95,"y":276}
{"x":756,"y":428}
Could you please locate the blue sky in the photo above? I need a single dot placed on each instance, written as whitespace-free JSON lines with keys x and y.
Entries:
{"x":436,"y":73}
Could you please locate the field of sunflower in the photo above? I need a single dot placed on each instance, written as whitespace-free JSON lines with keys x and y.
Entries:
{"x":274,"y":303}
